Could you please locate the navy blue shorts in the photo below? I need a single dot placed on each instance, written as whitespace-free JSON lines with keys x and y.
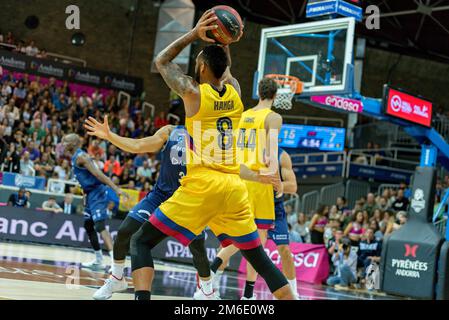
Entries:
{"x":142,"y":211}
{"x":97,"y":202}
{"x":280,"y":234}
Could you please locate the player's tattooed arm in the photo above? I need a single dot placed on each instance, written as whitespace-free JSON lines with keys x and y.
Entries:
{"x":179,"y":82}
{"x":146,"y":145}
{"x":289,"y":183}
{"x":84,"y":161}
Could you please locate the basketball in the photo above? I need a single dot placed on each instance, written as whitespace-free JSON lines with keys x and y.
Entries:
{"x":229,"y":25}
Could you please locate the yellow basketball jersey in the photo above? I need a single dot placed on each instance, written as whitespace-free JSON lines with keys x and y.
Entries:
{"x":212,"y":140}
{"x":252,"y":138}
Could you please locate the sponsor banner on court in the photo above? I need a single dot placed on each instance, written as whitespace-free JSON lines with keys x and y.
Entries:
{"x":74,"y":74}
{"x":379,"y":174}
{"x":343,"y":104}
{"x":18,"y":180}
{"x":311,"y":261}
{"x":28,"y":225}
{"x":347,"y":8}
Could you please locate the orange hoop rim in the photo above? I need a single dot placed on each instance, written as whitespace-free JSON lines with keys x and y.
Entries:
{"x":283,"y":79}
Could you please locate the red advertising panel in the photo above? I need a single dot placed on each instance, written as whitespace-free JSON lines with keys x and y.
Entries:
{"x":407,"y":107}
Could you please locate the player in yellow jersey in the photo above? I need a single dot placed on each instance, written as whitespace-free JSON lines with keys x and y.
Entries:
{"x":257,"y":145}
{"x":212,"y":193}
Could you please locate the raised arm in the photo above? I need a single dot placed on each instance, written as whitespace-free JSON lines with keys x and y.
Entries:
{"x":183,"y":85}
{"x":84,"y":161}
{"x":228,"y":77}
{"x":150,"y":144}
{"x":289,"y":183}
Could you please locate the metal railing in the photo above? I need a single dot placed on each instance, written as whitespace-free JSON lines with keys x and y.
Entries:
{"x":58,"y":186}
{"x":310,"y":202}
{"x":147,"y":105}
{"x":329,"y":194}
{"x":382,"y":133}
{"x":391,"y":152}
{"x":54,"y":56}
{"x":173,"y":116}
{"x":123,"y":95}
{"x":294,"y":201}
{"x":371,"y":160}
{"x":355,"y":190}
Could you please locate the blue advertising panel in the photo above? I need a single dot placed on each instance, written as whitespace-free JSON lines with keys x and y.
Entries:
{"x":379,"y":174}
{"x":312,"y":137}
{"x":333,"y":170}
{"x":348,"y":8}
{"x":18,"y":180}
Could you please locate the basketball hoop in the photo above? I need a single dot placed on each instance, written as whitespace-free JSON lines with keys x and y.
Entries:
{"x":288,"y":86}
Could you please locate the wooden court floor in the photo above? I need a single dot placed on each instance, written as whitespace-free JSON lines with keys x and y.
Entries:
{"x":42,"y":272}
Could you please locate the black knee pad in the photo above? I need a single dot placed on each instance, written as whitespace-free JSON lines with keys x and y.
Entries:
{"x":145,"y":239}
{"x":198,"y":249}
{"x":265,"y":267}
{"x":91,"y":234}
{"x":100,"y":226}
{"x":89,"y":225}
{"x":128,"y":227}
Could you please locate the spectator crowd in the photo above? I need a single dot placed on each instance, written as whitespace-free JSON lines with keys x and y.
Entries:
{"x":352,"y":235}
{"x":36,"y":113}
{"x":28,"y":48}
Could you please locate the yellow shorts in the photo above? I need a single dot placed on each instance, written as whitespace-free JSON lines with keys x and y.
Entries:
{"x":209,"y":198}
{"x":261,"y":201}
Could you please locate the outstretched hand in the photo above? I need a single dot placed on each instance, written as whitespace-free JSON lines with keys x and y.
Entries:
{"x":204,"y":25}
{"x":95,"y":128}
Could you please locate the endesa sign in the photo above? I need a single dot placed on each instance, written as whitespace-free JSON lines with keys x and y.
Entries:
{"x":404,"y":106}
{"x":311,"y":261}
{"x":344,"y":104}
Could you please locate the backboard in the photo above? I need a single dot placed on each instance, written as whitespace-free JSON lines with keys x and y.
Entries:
{"x":319,"y":53}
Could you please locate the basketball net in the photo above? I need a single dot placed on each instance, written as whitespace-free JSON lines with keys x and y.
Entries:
{"x":288,"y":87}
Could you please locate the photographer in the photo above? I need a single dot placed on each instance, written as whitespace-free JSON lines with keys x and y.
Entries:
{"x":345,"y":262}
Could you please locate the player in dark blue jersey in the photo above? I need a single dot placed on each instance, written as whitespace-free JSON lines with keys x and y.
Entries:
{"x":280,"y":232}
{"x":170,"y":141}
{"x":97,"y":188}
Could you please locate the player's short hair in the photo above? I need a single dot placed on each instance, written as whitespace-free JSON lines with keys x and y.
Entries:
{"x":216,"y":59}
{"x":267,"y":89}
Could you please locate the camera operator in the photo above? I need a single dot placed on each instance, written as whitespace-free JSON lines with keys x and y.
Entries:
{"x":345,"y":262}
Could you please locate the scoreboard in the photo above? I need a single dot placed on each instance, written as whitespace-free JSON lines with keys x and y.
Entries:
{"x":312,"y":137}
